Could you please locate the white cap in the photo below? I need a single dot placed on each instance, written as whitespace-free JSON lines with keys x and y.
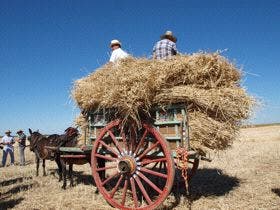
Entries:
{"x":115,"y":41}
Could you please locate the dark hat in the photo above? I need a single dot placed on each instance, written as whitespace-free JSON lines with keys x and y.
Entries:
{"x":20,"y":131}
{"x":169,"y":35}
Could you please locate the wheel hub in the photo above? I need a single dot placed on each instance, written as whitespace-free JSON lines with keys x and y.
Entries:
{"x":127,"y":165}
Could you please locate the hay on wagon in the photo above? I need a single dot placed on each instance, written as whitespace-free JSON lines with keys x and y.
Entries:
{"x":207,"y":82}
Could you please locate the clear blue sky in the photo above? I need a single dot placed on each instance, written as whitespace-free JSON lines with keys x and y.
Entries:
{"x":46,"y":45}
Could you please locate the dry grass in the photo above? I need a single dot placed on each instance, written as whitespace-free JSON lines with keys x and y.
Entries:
{"x":246,"y":176}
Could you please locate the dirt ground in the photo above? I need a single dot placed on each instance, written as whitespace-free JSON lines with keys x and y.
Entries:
{"x":246,"y":176}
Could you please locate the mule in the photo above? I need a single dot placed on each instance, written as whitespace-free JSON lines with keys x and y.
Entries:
{"x":38,"y":143}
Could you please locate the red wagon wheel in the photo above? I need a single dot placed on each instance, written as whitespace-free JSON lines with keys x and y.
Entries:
{"x":127,"y":178}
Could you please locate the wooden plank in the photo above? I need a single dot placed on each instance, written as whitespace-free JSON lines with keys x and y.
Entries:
{"x":73,"y":156}
{"x":86,"y":149}
{"x":51,"y":148}
{"x":167,"y":122}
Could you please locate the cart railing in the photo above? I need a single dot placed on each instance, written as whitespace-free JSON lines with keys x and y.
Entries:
{"x":171,"y":121}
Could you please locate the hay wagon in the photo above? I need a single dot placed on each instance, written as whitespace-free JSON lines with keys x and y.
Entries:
{"x":134,"y":165}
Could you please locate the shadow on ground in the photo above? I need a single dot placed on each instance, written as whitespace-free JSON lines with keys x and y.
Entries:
{"x":83,"y":178}
{"x":212,"y":182}
{"x":6,"y":198}
{"x":17,"y":189}
{"x":13,"y":181}
{"x":6,"y":204}
{"x":276,"y":191}
{"x":78,"y":176}
{"x":206,"y":182}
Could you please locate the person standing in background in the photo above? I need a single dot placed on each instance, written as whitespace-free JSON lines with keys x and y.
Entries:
{"x":21,"y":146}
{"x":8,"y":142}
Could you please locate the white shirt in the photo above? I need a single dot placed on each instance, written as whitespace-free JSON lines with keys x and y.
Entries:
{"x":8,"y":139}
{"x":118,"y":54}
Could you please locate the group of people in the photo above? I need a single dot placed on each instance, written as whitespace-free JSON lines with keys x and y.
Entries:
{"x":163,"y":49}
{"x":7,"y":144}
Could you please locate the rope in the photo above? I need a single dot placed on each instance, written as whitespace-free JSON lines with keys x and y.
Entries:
{"x":182,"y":161}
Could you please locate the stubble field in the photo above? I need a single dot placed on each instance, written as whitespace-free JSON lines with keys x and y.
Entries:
{"x":246,"y":176}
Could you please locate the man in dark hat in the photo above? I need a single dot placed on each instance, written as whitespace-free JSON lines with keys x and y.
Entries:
{"x":21,"y":146}
{"x":166,"y":47}
{"x":8,"y":142}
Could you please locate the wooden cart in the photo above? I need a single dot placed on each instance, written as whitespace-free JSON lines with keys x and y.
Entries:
{"x":134,"y":165}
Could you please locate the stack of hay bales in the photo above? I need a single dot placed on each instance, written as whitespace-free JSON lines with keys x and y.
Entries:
{"x":207,"y":82}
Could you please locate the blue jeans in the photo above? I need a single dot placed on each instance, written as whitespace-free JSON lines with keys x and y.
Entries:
{"x":5,"y":154}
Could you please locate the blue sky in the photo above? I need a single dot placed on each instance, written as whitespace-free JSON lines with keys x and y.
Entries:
{"x":46,"y":45}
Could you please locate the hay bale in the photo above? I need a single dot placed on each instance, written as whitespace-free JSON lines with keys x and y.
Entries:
{"x":208,"y":134}
{"x":207,"y":81}
{"x":223,"y":104}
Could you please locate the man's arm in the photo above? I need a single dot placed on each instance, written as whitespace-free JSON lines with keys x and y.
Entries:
{"x":113,"y":57}
{"x":2,"y":141}
{"x":12,"y":141}
{"x":174,"y":49}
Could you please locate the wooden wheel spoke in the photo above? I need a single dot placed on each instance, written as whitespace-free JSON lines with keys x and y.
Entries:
{"x":124,"y":140}
{"x":115,"y":141}
{"x":124,"y":192}
{"x":133,"y":189}
{"x":109,"y":148}
{"x":105,"y":168}
{"x":105,"y":157}
{"x":149,"y":182}
{"x":116,"y":187}
{"x":141,"y":142}
{"x":148,"y":161}
{"x":109,"y":178}
{"x":132,"y":138}
{"x":153,"y":172}
{"x":144,"y":192}
{"x":148,"y":150}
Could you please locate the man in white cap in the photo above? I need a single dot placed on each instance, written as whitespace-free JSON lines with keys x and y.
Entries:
{"x":8,"y":142}
{"x":117,"y":52}
{"x":166,"y":47}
